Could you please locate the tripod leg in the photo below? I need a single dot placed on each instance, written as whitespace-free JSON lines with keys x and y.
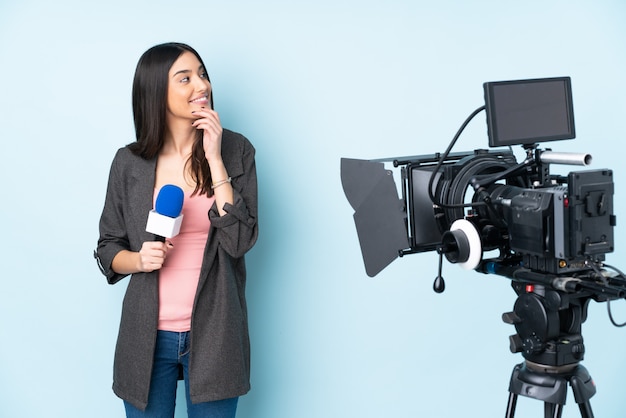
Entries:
{"x":510,"y":408}
{"x":552,"y":410}
{"x":583,"y":388}
{"x":585,"y":410}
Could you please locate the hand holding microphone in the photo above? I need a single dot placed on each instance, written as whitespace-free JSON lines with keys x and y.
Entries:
{"x":164,"y":221}
{"x":152,"y":255}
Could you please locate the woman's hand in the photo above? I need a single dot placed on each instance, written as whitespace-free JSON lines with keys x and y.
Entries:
{"x":152,"y":255}
{"x":209,"y":122}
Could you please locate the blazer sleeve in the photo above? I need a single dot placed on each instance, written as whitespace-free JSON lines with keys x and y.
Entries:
{"x":113,"y":236}
{"x":237,"y":230}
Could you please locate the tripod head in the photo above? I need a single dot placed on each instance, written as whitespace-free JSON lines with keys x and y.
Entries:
{"x":548,"y":324}
{"x":549,"y":312}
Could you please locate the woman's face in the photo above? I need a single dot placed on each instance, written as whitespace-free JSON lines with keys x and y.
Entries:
{"x":189,"y":88}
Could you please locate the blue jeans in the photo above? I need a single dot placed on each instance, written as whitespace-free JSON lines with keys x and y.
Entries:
{"x":172,"y":351}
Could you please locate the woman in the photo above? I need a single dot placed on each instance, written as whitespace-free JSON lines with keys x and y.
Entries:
{"x":184,"y":313}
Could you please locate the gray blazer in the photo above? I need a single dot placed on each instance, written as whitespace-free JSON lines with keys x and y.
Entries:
{"x":217,"y":370}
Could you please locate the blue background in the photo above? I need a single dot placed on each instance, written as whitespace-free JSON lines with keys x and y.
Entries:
{"x":308,"y":82}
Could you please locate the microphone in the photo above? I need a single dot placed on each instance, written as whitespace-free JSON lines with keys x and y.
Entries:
{"x":165,"y":219}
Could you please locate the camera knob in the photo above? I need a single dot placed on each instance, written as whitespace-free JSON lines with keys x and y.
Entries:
{"x":515,"y":344}
{"x":511,"y":318}
{"x":532,"y":345}
{"x":578,"y":351}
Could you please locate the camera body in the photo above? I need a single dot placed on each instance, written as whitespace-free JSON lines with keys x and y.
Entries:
{"x":549,"y":224}
{"x":558,"y":229}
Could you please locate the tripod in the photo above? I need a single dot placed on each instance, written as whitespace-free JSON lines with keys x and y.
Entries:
{"x":548,"y":324}
{"x":550,"y":386}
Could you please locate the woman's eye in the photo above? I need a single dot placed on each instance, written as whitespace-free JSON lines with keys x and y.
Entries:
{"x":203,"y":75}
{"x":184,"y":79}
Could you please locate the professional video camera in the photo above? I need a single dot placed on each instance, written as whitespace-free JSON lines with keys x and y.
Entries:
{"x":548,"y":233}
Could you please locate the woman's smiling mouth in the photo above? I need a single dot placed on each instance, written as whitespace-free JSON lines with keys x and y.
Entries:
{"x":200,"y":100}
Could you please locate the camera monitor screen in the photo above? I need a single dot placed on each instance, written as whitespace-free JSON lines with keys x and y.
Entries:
{"x":529,"y":111}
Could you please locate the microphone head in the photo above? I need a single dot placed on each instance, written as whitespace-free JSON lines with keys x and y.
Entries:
{"x":169,"y":201}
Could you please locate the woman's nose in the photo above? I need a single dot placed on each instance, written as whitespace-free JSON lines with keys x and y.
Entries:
{"x":201,"y":84}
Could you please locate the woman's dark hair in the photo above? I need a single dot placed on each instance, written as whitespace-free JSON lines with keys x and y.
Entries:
{"x":150,"y":105}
